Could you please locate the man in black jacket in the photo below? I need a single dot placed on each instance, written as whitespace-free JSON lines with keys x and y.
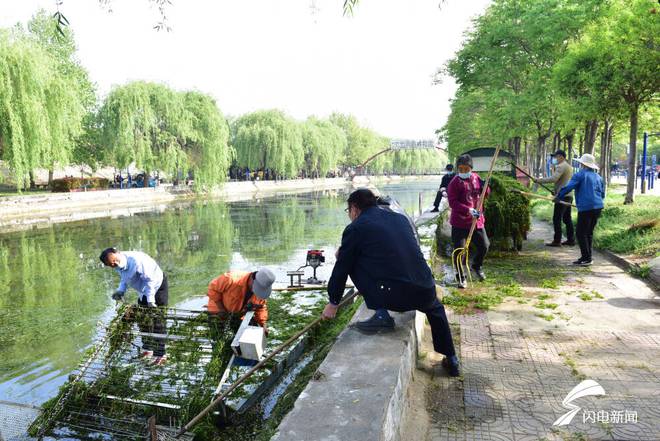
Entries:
{"x":381,"y":255}
{"x":446,"y":179}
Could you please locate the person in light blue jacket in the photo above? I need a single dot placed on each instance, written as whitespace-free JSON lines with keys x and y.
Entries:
{"x":589,"y":195}
{"x":139,"y":271}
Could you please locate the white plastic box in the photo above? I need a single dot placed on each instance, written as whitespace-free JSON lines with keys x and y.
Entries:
{"x":252,"y":343}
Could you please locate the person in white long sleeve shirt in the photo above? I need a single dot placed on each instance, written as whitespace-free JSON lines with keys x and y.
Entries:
{"x":140,"y":272}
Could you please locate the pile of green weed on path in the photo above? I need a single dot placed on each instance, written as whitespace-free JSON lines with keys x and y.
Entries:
{"x":507,"y":216}
{"x":510,"y":275}
{"x":622,"y":229}
{"x":507,"y":213}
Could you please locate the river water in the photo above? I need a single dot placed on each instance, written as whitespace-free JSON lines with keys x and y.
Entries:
{"x":54,"y":292}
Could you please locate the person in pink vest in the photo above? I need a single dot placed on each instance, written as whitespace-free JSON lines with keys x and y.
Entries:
{"x":463,"y":196}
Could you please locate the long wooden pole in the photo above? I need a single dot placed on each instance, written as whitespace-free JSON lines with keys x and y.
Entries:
{"x":532,"y":177}
{"x":538,"y":196}
{"x":350,"y":296}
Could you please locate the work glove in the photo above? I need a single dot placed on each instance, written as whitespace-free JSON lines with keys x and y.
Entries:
{"x":475,"y":213}
{"x":556,"y":199}
{"x":118,"y":296}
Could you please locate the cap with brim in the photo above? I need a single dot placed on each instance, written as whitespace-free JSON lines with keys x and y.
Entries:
{"x":559,"y":153}
{"x":588,"y":161}
{"x":262,"y":286}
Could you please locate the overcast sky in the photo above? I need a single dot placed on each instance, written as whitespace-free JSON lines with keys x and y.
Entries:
{"x":301,"y":56}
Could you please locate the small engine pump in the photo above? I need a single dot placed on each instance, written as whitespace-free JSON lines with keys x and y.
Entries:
{"x":314,"y":259}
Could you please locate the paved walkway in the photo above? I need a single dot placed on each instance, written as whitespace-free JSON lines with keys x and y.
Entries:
{"x":518,"y":367}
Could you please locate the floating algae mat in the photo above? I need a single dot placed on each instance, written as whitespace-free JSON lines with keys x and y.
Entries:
{"x":115,"y":395}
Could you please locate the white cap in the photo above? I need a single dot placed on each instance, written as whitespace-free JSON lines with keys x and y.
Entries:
{"x":262,"y":285}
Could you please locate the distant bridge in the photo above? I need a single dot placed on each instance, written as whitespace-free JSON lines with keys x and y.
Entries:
{"x":413,"y":144}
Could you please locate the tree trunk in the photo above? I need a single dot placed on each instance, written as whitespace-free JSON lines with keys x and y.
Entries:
{"x":590,"y":132}
{"x":632,"y":156}
{"x":603,"y":149}
{"x":540,"y":155}
{"x":33,"y":184}
{"x":50,"y":177}
{"x":581,"y":144}
{"x":516,"y":150}
{"x":610,"y":135}
{"x":569,"y":144}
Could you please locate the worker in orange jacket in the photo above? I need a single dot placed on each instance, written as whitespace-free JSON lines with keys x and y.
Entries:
{"x":242,"y":291}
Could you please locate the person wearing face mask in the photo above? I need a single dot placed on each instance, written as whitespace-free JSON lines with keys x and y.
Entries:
{"x":562,"y":213}
{"x":380,"y":252}
{"x":463,"y":196}
{"x":139,"y":271}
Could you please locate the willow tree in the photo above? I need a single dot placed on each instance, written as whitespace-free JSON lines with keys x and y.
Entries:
{"x":324,"y":143}
{"x":158,"y":128}
{"x":40,"y":110}
{"x":207,"y":148}
{"x":362,"y":142}
{"x":60,"y":44}
{"x":269,"y":139}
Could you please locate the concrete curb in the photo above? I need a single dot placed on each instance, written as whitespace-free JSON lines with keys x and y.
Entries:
{"x":360,"y":388}
{"x":654,"y":278}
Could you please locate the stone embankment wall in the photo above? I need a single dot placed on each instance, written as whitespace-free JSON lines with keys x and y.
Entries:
{"x":41,"y":210}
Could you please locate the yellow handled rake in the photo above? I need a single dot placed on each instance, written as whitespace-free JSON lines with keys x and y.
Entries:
{"x":461,"y":256}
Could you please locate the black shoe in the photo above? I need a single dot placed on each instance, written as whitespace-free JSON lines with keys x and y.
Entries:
{"x":553,"y":244}
{"x":568,"y":243}
{"x":451,"y":366}
{"x":479,"y":273}
{"x":582,"y":262}
{"x":461,"y":282}
{"x":435,"y":210}
{"x":376,"y":324}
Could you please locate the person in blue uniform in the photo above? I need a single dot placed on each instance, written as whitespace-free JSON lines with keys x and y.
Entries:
{"x":380,"y":253}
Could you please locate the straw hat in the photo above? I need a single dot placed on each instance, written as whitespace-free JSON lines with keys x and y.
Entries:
{"x":588,"y":161}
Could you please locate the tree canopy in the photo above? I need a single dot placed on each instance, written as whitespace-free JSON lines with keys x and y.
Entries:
{"x":158,"y":128}
{"x":41,"y":110}
{"x":542,"y":74}
{"x":269,"y":139}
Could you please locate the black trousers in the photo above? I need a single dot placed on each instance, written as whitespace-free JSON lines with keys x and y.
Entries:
{"x":479,"y":239}
{"x":154,"y":321}
{"x":586,"y":222}
{"x":562,"y":213}
{"x":402,"y":297}
{"x":438,"y":198}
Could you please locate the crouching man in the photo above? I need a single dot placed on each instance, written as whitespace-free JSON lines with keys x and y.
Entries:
{"x":380,"y":253}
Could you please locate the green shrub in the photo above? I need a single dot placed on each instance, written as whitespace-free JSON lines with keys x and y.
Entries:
{"x":66,"y":185}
